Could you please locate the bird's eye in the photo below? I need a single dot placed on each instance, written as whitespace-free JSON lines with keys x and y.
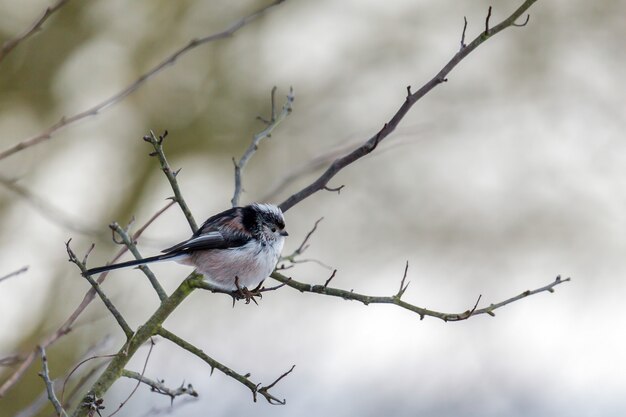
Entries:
{"x":273,"y":230}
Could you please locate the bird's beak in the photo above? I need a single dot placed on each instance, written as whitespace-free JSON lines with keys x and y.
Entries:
{"x":284,"y":233}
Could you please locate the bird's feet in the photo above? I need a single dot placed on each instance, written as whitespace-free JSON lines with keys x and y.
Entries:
{"x":243,"y":293}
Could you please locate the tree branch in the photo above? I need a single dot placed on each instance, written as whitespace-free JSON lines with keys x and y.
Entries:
{"x":116,"y":98}
{"x":144,"y":332}
{"x":14,"y":273}
{"x":109,"y":305}
{"x":45,"y":375}
{"x":67,"y":326}
{"x":159,"y":386}
{"x":274,"y":121}
{"x":157,"y":144}
{"x":244,"y":379}
{"x":130,"y":244}
{"x":396,"y":299}
{"x":411,"y":98}
{"x":11,"y":44}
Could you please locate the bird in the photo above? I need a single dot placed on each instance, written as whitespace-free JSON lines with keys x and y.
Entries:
{"x":234,"y":250}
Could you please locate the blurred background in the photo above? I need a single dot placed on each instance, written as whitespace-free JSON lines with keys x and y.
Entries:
{"x":507,"y":175}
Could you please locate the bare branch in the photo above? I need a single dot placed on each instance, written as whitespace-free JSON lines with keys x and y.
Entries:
{"x":45,"y":375}
{"x":11,"y":44}
{"x":159,"y":386}
{"x":244,"y":379}
{"x":371,"y":144}
{"x":48,"y":210}
{"x":119,"y":96}
{"x":130,"y":244}
{"x":157,"y":144}
{"x":395,"y":299}
{"x":67,"y":326}
{"x":14,"y":273}
{"x":109,"y":305}
{"x":274,"y":121}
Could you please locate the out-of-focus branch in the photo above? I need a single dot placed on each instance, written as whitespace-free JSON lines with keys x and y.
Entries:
{"x":14,"y":273}
{"x":66,"y":327}
{"x":45,"y":375}
{"x":271,"y":124}
{"x":396,"y":298}
{"x":116,"y":98}
{"x":159,"y":386}
{"x":244,"y":379}
{"x":157,"y":144}
{"x":411,"y":98}
{"x":48,"y":210}
{"x":11,"y":44}
{"x":130,"y":244}
{"x":40,"y":402}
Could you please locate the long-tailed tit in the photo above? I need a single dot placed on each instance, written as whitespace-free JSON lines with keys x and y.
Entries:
{"x":237,"y":248}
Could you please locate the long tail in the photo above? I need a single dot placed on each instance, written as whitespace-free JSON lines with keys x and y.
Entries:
{"x":164,"y":257}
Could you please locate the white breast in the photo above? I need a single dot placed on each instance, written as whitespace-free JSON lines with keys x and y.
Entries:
{"x":250,"y":263}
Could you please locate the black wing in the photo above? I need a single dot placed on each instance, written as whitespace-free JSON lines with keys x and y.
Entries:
{"x":221,"y":231}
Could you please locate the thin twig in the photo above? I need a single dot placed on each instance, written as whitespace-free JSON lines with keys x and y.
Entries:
{"x":11,"y":44}
{"x":130,"y":244}
{"x":274,"y":121}
{"x":330,"y":278}
{"x":67,"y":326}
{"x":119,"y":96}
{"x":45,"y":375}
{"x":143,"y":371}
{"x":394,"y":299}
{"x":244,"y":379}
{"x":157,"y":144}
{"x":403,"y":287}
{"x":159,"y":386}
{"x":14,"y":273}
{"x":463,"y":34}
{"x":487,"y":22}
{"x":303,"y":246}
{"x":109,"y":305}
{"x":371,"y":144}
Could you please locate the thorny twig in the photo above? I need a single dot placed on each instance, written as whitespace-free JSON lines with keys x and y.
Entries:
{"x":371,"y":144}
{"x":395,"y":299}
{"x":244,"y":379}
{"x":159,"y":386}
